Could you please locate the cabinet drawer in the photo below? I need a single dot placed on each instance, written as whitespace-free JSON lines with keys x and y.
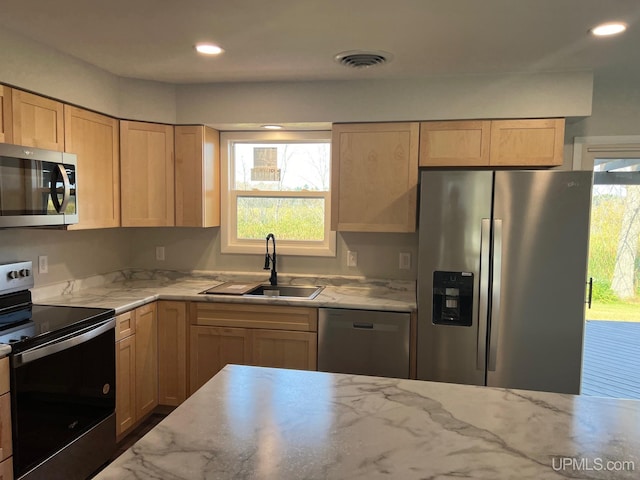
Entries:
{"x":272,"y":317}
{"x":6,"y":449}
{"x":125,"y":325}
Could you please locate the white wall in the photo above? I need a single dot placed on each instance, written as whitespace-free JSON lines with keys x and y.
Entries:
{"x":461,"y":97}
{"x":199,"y":249}
{"x":38,"y":68}
{"x":71,"y":254}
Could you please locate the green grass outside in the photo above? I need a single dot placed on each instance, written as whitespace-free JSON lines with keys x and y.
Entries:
{"x":616,"y":311}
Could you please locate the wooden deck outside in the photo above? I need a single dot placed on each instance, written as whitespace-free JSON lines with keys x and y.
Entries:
{"x":611,"y":362}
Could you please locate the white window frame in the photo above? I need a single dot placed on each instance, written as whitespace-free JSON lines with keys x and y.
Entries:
{"x":228,"y":231}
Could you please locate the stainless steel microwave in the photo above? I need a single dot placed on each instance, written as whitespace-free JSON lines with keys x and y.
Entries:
{"x":37,"y":187}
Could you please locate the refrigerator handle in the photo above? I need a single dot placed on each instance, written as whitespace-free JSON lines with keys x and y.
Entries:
{"x":495,"y":297}
{"x":483,"y":314}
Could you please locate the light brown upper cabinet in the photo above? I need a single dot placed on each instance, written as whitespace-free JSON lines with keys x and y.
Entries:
{"x":37,"y":121}
{"x":6,"y":126}
{"x":147,"y":175}
{"x":197,"y":176}
{"x":455,"y":144}
{"x":94,"y":138}
{"x":517,"y":143}
{"x":492,"y":143}
{"x":374,"y":177}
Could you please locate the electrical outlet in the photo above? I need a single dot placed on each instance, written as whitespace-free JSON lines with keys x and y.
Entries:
{"x":352,"y":258}
{"x":405,"y":261}
{"x":160,"y":253}
{"x":43,"y":264}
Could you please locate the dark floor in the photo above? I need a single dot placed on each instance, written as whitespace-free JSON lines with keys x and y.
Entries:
{"x":611,"y":363}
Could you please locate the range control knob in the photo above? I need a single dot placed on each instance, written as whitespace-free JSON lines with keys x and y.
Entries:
{"x":12,"y":274}
{"x":25,"y":272}
{"x":23,"y":337}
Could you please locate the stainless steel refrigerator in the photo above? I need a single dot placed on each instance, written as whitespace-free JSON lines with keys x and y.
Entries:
{"x":501,"y":280}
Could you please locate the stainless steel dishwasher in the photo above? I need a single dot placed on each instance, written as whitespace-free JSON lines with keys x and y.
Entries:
{"x":365,"y":342}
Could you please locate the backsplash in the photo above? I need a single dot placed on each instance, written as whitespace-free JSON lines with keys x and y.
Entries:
{"x":80,"y":255}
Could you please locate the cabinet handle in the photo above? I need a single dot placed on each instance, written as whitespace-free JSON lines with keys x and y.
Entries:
{"x":363,"y":325}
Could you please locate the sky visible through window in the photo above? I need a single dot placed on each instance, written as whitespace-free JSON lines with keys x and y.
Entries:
{"x":298,"y":166}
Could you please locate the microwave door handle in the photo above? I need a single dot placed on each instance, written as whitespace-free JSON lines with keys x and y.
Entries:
{"x":495,"y":295}
{"x":58,"y":346}
{"x":60,"y":172}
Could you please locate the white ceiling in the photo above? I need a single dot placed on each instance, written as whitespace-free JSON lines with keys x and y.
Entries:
{"x":280,"y":40}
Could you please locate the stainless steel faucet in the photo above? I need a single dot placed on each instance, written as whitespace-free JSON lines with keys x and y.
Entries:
{"x":271,"y":259}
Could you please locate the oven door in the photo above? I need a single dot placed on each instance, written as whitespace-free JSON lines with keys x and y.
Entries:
{"x":37,"y":187}
{"x":61,"y":391}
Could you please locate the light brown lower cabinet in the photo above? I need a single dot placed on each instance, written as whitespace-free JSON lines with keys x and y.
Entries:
{"x":136,"y":366}
{"x":211,"y":348}
{"x":221,"y":334}
{"x":125,"y":384}
{"x":281,"y":349}
{"x":6,"y":469}
{"x":146,"y":360}
{"x":173,"y":328}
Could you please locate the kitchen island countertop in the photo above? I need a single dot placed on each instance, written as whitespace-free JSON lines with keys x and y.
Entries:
{"x":264,"y":423}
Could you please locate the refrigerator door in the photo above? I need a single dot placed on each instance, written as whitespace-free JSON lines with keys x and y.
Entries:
{"x":541,"y":234}
{"x":453,"y":205}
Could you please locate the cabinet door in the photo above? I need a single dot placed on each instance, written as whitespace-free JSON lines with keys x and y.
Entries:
{"x":6,"y":469}
{"x":455,"y":144}
{"x":197,"y":176}
{"x":37,"y":121}
{"x":6,"y":122}
{"x":374,"y":177}
{"x":146,"y":360}
{"x":211,"y":348}
{"x":277,"y":348}
{"x":125,"y":384}
{"x":6,"y":449}
{"x":172,"y":353}
{"x":95,"y":139}
{"x":522,"y":143}
{"x":147,"y":176}
{"x":4,"y":375}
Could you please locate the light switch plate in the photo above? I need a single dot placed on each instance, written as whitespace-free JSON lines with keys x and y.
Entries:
{"x":352,"y":258}
{"x":405,"y":261}
{"x":43,"y":264}
{"x":160,"y":253}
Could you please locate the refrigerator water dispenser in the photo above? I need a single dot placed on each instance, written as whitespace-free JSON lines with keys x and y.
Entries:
{"x":452,"y":298}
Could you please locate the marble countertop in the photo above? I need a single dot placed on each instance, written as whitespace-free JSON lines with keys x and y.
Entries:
{"x":264,"y":423}
{"x":130,"y":289}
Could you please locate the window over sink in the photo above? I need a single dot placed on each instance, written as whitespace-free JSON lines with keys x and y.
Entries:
{"x":276,"y":182}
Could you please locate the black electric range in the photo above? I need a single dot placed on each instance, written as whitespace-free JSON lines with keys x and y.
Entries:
{"x":62,"y":375}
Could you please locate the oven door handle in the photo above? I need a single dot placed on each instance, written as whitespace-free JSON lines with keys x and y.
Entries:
{"x":65,"y":343}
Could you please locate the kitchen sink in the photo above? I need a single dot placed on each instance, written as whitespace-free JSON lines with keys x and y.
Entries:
{"x":291,"y":291}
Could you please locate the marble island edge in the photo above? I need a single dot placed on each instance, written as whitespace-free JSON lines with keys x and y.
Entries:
{"x":264,"y":423}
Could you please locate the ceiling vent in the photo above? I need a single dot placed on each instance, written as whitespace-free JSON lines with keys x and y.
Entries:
{"x":362,"y":59}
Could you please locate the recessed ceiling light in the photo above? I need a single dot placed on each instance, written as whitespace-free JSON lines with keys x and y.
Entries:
{"x":272,"y":127}
{"x":607,"y":29}
{"x":208,"y":49}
